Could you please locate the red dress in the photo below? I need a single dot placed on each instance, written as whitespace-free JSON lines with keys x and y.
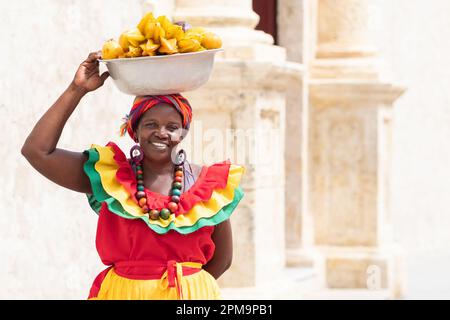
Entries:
{"x":159,"y":259}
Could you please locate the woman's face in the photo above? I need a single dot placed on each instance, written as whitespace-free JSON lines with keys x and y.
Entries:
{"x":159,"y":130}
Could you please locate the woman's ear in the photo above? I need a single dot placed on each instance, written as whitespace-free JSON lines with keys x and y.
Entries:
{"x":136,"y":135}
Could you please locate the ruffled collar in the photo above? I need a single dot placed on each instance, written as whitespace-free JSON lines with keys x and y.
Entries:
{"x":210,"y":201}
{"x":210,"y":178}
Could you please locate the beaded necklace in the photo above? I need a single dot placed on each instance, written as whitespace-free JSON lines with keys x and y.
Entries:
{"x":137,"y":156}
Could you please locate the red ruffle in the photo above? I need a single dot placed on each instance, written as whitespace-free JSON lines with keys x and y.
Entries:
{"x":211,"y":178}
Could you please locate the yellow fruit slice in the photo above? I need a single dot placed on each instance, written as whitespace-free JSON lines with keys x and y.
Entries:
{"x":159,"y":33}
{"x":171,"y":30}
{"x":174,"y":31}
{"x":150,"y":30}
{"x":148,"y":17}
{"x":149,"y":48}
{"x":188,"y":45}
{"x":123,"y":41}
{"x":211,"y":41}
{"x":133,"y":52}
{"x":135,"y":37}
{"x":148,"y":54}
{"x":164,"y":22}
{"x":168,"y":46}
{"x":111,"y":49}
{"x":197,"y":33}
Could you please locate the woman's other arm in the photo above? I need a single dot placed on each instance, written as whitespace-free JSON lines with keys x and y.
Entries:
{"x":223,"y":254}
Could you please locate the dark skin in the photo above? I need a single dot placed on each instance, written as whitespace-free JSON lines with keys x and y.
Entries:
{"x":160,"y":125}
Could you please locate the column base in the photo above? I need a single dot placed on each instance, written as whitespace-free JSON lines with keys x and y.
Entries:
{"x":292,"y":283}
{"x":373,"y":269}
{"x":367,"y":68}
{"x":300,"y":258}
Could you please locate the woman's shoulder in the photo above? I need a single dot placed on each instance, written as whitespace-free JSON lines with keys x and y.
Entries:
{"x":219,"y":174}
{"x":221,"y":166}
{"x":196,"y":169}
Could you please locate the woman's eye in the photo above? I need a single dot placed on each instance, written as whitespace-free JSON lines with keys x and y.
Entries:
{"x":172,"y":129}
{"x":150,"y":125}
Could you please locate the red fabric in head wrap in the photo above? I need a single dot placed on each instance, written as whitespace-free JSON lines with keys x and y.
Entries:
{"x":143,"y":103}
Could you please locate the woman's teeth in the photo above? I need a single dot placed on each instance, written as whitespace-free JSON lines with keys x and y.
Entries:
{"x":159,"y":145}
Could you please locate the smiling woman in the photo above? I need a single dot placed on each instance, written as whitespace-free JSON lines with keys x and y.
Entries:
{"x":163,"y":227}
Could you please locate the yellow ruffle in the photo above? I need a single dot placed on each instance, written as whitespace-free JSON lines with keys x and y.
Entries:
{"x":107,"y":168}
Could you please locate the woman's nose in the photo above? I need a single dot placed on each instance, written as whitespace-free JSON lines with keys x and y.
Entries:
{"x":162,"y":132}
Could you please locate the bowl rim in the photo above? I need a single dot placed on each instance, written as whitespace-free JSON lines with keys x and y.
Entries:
{"x":167,"y":56}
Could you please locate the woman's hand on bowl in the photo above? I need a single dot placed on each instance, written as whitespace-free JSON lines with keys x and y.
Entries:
{"x":88,"y":78}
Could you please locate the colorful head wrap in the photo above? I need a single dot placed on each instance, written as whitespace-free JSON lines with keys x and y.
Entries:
{"x":143,"y":103}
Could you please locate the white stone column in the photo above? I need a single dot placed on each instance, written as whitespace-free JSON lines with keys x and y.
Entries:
{"x":346,"y":33}
{"x":350,"y":150}
{"x":234,"y":21}
{"x":295,"y":29}
{"x":346,"y":28}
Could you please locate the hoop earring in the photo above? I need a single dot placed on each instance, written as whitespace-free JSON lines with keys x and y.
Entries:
{"x":180,"y":158}
{"x":136,"y":154}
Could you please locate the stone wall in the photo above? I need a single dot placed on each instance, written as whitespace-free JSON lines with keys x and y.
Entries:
{"x":48,"y":233}
{"x":416,"y":49}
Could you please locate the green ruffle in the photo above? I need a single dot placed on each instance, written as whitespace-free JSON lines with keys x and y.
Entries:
{"x":100,"y":196}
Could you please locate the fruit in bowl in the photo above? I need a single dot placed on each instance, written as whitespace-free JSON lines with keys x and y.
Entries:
{"x":159,"y":36}
{"x":160,"y":57}
{"x":162,"y":74}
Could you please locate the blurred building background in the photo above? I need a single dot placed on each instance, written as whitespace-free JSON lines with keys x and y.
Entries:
{"x":338,"y":109}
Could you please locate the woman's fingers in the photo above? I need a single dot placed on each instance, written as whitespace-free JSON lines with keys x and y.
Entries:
{"x":104,"y":76}
{"x":93,"y":56}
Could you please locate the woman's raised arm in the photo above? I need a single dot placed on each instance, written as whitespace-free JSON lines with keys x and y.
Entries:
{"x":61,"y":166}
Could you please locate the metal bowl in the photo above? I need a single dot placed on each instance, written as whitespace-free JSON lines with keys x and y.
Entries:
{"x":165,"y":74}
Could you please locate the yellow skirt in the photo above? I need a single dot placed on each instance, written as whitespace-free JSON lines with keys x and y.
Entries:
{"x":198,"y":286}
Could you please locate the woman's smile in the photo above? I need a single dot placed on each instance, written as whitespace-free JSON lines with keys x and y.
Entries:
{"x":159,"y":146}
